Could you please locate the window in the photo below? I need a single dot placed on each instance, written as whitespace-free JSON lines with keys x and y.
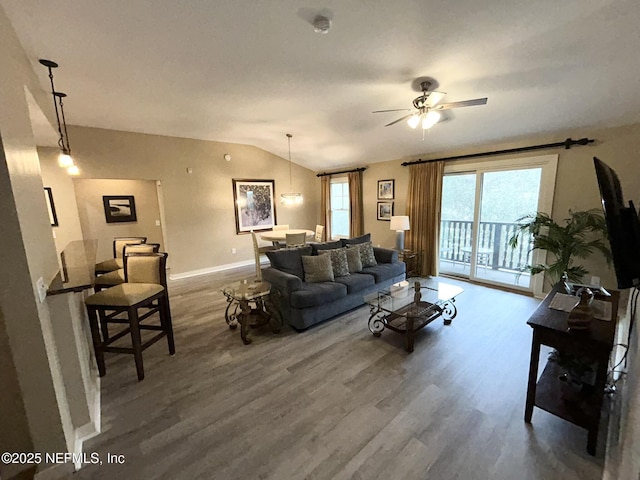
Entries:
{"x":339,"y":208}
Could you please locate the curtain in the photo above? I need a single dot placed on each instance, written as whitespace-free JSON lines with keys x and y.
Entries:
{"x":325,"y":205}
{"x":423,"y":207}
{"x":356,"y":214}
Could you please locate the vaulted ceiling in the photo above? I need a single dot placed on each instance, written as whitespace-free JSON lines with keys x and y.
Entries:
{"x":247,"y":71}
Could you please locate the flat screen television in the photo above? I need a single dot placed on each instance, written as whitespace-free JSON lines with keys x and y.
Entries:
{"x":623,"y":227}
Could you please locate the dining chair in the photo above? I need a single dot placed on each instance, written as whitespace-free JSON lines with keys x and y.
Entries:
{"x":296,"y":240}
{"x":117,"y":262}
{"x":280,"y":227}
{"x":145,"y":287}
{"x":257,"y":251}
{"x":319,"y":233}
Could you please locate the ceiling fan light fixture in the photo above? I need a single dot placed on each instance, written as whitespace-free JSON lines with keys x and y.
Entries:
{"x":430,"y":119}
{"x":73,"y":170}
{"x":413,"y":121}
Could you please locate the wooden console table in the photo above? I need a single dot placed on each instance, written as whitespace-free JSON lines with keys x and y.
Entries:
{"x":550,"y":328}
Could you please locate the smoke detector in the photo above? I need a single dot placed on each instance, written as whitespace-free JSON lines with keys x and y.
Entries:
{"x":321,"y":24}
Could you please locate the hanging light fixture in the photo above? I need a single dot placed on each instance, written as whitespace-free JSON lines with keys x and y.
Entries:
{"x":290,"y":198}
{"x":64,"y":160}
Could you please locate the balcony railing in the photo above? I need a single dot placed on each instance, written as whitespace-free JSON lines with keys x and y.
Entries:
{"x":456,"y":240}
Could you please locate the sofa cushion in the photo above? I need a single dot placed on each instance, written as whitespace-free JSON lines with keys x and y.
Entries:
{"x":385,"y":271}
{"x":289,"y":260}
{"x":356,"y":240}
{"x":338,"y":261}
{"x":317,"y":268}
{"x":367,"y":256}
{"x":313,"y":294}
{"x":356,"y":282}
{"x":325,"y":246}
{"x":353,"y":260}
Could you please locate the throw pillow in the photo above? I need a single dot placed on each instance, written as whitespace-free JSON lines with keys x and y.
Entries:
{"x":353,"y":260}
{"x":356,"y":240}
{"x":339,"y":262}
{"x":317,"y":268}
{"x":289,"y":260}
{"x":325,"y":246}
{"x":367,"y":256}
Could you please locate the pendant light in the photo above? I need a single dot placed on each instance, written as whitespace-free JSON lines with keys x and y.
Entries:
{"x":290,"y":198}
{"x":64,"y":160}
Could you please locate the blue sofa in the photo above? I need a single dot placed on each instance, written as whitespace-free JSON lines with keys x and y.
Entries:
{"x":304,"y":304}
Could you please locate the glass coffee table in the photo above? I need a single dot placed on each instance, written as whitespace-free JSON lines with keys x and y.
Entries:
{"x":406,"y":307}
{"x":251,"y":297}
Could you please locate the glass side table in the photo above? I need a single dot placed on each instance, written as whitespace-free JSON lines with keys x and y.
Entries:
{"x":249,"y":297}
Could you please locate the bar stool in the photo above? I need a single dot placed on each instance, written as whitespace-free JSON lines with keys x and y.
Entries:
{"x":145,"y":287}
{"x":116,"y":277}
{"x":116,"y":263}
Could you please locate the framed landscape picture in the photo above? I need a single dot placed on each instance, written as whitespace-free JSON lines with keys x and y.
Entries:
{"x":385,"y":211}
{"x":119,"y":208}
{"x":254,"y":206}
{"x":51,"y":208}
{"x":385,"y":189}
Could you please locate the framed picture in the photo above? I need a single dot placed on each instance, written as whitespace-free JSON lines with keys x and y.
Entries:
{"x":51,"y":208}
{"x":254,"y":206}
{"x":119,"y":208}
{"x":385,"y":210}
{"x":385,"y":189}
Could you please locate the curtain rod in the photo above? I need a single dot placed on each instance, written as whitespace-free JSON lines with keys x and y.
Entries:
{"x":567,"y":144}
{"x":361,"y":169}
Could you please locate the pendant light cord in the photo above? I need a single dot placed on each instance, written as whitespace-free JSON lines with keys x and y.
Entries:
{"x":289,"y":140}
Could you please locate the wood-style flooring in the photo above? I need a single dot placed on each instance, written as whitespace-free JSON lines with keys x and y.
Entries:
{"x":334,"y":402}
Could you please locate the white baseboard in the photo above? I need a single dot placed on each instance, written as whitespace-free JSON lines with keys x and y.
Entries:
{"x":205,"y":271}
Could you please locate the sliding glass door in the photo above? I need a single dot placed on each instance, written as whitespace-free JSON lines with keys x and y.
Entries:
{"x":480,"y":206}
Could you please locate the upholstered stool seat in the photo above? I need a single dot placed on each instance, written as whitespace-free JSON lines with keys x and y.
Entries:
{"x":145,"y":288}
{"x":117,"y":262}
{"x":125,"y":294}
{"x":110,"y":265}
{"x":110,"y":279}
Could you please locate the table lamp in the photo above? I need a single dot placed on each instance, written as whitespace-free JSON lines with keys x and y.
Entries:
{"x":399,"y":223}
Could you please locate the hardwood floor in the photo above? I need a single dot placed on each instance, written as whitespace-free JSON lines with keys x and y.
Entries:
{"x":334,"y":402}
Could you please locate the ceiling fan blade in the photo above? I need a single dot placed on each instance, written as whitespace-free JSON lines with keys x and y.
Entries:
{"x":435,"y":98}
{"x":463,"y":103}
{"x":400,"y":119}
{"x":394,"y":110}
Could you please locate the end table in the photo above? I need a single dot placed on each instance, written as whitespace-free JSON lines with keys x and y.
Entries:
{"x":240,"y":295}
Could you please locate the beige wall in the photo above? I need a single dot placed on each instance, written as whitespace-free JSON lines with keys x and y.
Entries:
{"x":576,"y":186}
{"x":198,"y":207}
{"x":27,"y":252}
{"x":64,"y":198}
{"x":92,"y":218}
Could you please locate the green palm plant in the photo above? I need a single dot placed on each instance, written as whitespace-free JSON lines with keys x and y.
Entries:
{"x":582,"y":234}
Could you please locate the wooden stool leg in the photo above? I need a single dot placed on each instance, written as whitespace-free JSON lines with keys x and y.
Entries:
{"x":136,"y":341}
{"x":165,"y":318}
{"x":97,"y":342}
{"x":104,"y":325}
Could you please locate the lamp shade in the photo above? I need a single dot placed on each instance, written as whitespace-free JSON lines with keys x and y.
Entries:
{"x":399,"y":222}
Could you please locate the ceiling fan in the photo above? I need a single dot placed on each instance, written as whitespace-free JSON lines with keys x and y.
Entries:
{"x":427,"y":108}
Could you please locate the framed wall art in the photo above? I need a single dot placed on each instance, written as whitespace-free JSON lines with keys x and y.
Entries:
{"x":119,"y":208}
{"x":385,"y":211}
{"x":51,"y":207}
{"x":254,"y":206}
{"x":385,"y":189}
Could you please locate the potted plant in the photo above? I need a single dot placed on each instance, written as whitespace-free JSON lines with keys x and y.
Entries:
{"x":582,"y":234}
